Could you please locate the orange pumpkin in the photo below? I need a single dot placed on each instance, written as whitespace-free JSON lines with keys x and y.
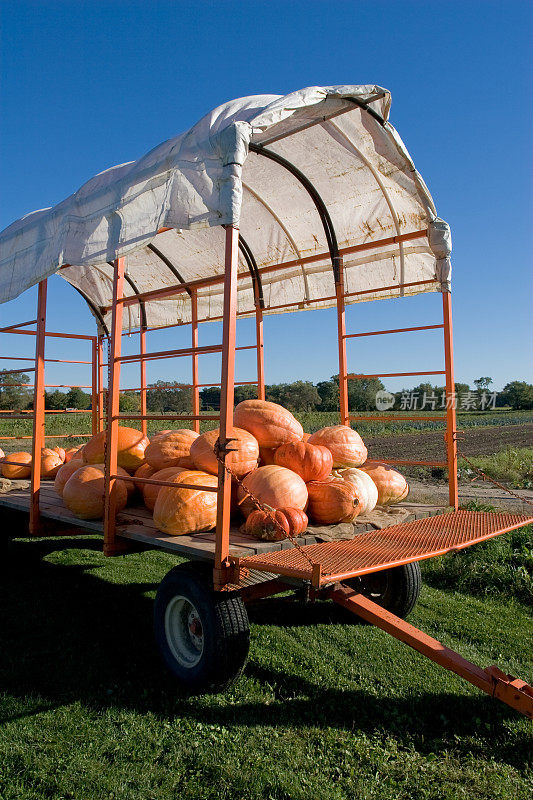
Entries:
{"x":347,"y":447}
{"x":305,"y":437}
{"x":144,"y":471}
{"x":74,"y":453}
{"x":150,"y":490}
{"x":167,"y":449}
{"x":84,"y":492}
{"x":332,"y":501}
{"x":270,"y":423}
{"x":260,"y":524}
{"x":274,"y":486}
{"x":16,"y":472}
{"x":50,"y":463}
{"x":60,"y":452}
{"x":186,"y":462}
{"x":391,"y":484}
{"x":266,"y":456}
{"x":311,"y":462}
{"x":242,"y":459}
{"x":130,"y":449}
{"x":178,"y":510}
{"x":64,"y":472}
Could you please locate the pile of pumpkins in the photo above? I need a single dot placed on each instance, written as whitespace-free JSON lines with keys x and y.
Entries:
{"x":324,"y":477}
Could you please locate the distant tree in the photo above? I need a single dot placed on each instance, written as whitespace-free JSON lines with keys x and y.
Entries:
{"x":518,"y":394}
{"x":129,"y":401}
{"x":297,"y":396}
{"x":248,"y":392}
{"x":77,"y":398}
{"x":362,"y":393}
{"x":13,"y":396}
{"x":482,"y":384}
{"x":169,"y":396}
{"x":210,"y":398}
{"x":55,"y":400}
{"x":328,"y":391}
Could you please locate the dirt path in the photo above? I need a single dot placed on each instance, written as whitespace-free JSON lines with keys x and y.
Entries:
{"x":430,"y":446}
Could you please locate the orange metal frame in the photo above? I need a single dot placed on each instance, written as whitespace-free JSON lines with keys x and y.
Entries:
{"x":105,"y":414}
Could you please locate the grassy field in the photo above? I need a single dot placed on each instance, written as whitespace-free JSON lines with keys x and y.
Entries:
{"x":324,"y":710}
{"x":72,"y":424}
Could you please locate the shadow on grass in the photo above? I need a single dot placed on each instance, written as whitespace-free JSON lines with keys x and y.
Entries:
{"x":67,"y":635}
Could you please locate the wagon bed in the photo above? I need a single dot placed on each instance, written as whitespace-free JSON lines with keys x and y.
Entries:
{"x":136,"y":523}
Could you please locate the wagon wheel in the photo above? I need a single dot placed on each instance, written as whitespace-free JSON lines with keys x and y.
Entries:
{"x":203,"y":635}
{"x":396,"y":589}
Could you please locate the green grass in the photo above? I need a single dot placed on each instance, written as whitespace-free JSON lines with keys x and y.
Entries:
{"x":324,"y":710}
{"x":513,"y":465}
{"x":72,"y":424}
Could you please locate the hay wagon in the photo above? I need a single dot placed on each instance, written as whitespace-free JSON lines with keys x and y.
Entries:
{"x":269,"y":204}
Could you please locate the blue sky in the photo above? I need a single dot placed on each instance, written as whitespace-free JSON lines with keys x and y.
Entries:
{"x":86,"y":85}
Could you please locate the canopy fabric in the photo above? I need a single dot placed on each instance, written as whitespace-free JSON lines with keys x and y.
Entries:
{"x":165,"y":212}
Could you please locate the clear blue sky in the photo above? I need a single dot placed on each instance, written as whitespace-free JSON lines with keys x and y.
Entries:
{"x":86,"y":85}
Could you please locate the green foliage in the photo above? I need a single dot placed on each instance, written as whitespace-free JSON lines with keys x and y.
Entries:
{"x":77,"y":398}
{"x":11,"y":395}
{"x":518,"y":394}
{"x":56,"y":400}
{"x":166,"y":396}
{"x":297,"y":396}
{"x":129,"y":402}
{"x":513,"y":465}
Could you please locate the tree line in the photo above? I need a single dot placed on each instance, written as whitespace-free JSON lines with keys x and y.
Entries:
{"x":168,"y":396}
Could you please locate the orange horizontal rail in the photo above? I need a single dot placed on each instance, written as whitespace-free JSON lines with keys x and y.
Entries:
{"x":16,"y":371}
{"x":174,"y":485}
{"x":169,"y":291}
{"x":51,"y":436}
{"x":188,"y":351}
{"x":8,"y":328}
{"x":186,"y":386}
{"x":389,"y":288}
{"x":55,"y":335}
{"x":393,"y":330}
{"x":398,"y":418}
{"x":49,"y":360}
{"x":29,"y":412}
{"x":354,"y":377}
{"x":169,"y":417}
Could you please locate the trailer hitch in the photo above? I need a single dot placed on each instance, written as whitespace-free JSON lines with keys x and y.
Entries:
{"x":510,"y":690}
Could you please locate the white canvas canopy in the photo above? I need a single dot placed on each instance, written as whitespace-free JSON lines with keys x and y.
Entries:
{"x":271,"y":165}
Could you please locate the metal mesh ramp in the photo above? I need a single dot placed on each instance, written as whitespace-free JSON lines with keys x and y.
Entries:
{"x":377,"y":550}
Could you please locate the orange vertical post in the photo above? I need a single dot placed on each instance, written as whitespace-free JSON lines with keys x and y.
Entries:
{"x":226,"y":404}
{"x":110,"y":544}
{"x":194,"y":343}
{"x":451,"y":423}
{"x":144,"y":422}
{"x":260,"y":350}
{"x":38,"y":410}
{"x":100,"y":358}
{"x":94,"y":386}
{"x":341,"y":331}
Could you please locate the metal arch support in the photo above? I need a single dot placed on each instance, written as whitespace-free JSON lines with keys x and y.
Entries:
{"x":320,"y":206}
{"x":93,"y":308}
{"x":245,"y":249}
{"x":167,"y":262}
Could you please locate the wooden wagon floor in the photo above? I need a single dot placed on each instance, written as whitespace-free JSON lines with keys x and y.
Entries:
{"x":136,"y":523}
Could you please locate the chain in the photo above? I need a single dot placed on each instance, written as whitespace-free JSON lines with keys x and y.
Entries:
{"x":491,"y":480}
{"x":264,"y":508}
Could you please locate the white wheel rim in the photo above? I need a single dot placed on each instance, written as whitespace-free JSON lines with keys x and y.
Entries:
{"x":184,"y":631}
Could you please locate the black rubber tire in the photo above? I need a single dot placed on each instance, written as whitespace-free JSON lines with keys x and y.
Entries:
{"x":396,"y":589}
{"x":224,"y":628}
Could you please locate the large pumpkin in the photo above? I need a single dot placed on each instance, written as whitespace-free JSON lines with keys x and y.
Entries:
{"x":366,"y":488}
{"x":290,"y":522}
{"x":144,"y":471}
{"x":130,"y":449}
{"x":14,"y":472}
{"x":270,"y":423}
{"x":242,"y":459}
{"x":178,"y":510}
{"x":84,"y":492}
{"x":332,"y":501}
{"x":64,"y":472}
{"x":50,"y":463}
{"x":274,"y":486}
{"x":347,"y":447}
{"x":166,"y":449}
{"x":391,"y":484}
{"x":266,"y":456}
{"x":151,"y":490}
{"x":311,"y":462}
{"x":74,"y":453}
